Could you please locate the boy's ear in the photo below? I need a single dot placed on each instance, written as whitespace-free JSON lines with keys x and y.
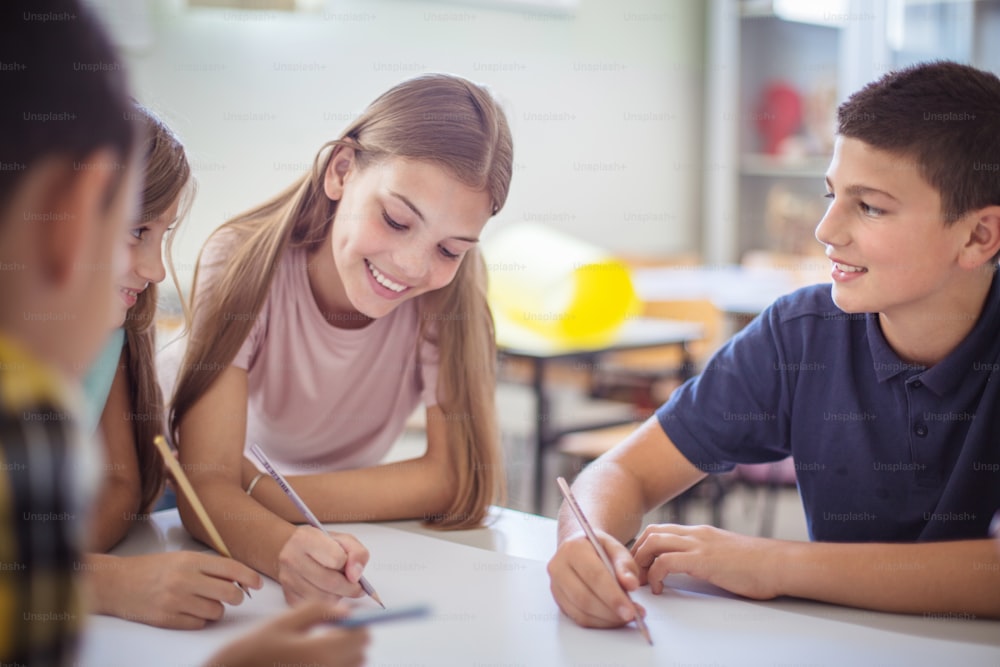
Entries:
{"x":79,"y":193}
{"x":341,"y":164}
{"x":984,"y":237}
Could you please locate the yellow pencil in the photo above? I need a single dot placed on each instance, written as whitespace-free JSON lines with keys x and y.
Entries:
{"x":185,"y":487}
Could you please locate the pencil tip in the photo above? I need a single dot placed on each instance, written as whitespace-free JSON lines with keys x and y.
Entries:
{"x":643,"y":629}
{"x":374,"y":596}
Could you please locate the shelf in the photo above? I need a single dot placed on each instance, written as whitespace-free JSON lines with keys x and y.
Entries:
{"x":825,"y":50}
{"x":759,"y":164}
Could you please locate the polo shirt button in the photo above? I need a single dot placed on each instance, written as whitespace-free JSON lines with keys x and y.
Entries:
{"x":917,"y":384}
{"x":920,"y":430}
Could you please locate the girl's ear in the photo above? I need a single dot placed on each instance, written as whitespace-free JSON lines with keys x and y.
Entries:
{"x":78,"y":200}
{"x":340,"y":166}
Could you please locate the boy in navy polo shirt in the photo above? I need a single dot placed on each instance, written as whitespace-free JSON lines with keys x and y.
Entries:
{"x":884,"y":387}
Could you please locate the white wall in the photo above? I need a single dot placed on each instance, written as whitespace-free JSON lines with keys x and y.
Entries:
{"x":605,"y":106}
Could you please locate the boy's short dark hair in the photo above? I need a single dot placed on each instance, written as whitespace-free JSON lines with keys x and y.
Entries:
{"x":943,"y":116}
{"x":64,"y":88}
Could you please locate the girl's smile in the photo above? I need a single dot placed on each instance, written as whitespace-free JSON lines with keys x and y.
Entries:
{"x":129,"y":296}
{"x":385,"y":285}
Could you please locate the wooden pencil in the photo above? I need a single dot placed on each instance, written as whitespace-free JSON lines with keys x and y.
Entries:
{"x":185,"y":487}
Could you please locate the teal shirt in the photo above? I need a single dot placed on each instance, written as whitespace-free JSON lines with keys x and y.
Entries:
{"x":97,"y":382}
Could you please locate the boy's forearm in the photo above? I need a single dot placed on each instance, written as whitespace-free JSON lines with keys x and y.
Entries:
{"x":611,"y":500}
{"x":617,"y":490}
{"x":961,"y":577}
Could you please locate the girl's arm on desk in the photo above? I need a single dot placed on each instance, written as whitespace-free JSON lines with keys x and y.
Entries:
{"x":420,"y":488}
{"x":307,"y":563}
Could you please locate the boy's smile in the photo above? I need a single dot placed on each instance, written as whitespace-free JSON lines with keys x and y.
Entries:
{"x":842,"y":271}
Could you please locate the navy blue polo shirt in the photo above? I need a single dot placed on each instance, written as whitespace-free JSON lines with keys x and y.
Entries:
{"x":884,"y":450}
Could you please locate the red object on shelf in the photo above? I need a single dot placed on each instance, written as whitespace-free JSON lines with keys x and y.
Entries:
{"x":778,"y":115}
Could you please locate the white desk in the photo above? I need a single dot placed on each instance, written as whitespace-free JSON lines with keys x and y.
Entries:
{"x":489,"y":594}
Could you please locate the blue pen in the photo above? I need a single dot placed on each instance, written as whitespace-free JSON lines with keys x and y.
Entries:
{"x":377,"y":616}
{"x":306,"y":512}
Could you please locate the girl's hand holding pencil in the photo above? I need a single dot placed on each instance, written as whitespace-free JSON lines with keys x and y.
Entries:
{"x":347,"y":559}
{"x":183,"y":590}
{"x":315,"y":564}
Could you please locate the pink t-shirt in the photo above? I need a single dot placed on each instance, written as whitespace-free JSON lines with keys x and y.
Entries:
{"x":323,"y":398}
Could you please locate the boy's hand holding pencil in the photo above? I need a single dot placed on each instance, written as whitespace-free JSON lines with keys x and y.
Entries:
{"x":596,"y":573}
{"x":584,"y":589}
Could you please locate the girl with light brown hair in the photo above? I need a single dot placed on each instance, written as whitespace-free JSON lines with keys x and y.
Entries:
{"x":326,"y":315}
{"x":174,"y":590}
{"x":179,"y":589}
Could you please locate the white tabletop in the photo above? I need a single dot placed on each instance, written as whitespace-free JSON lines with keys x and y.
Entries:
{"x":489,"y":595}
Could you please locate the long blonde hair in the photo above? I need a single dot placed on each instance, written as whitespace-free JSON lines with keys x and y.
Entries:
{"x":436,"y":118}
{"x":167,"y":176}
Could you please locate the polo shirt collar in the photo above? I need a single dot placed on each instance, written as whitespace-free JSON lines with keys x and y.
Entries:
{"x":887,"y":363}
{"x":944,"y":377}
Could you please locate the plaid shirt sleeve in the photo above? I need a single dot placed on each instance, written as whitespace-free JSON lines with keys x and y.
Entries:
{"x":40,"y":605}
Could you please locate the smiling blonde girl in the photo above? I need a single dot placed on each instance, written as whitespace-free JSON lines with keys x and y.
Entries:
{"x":326,"y":315}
